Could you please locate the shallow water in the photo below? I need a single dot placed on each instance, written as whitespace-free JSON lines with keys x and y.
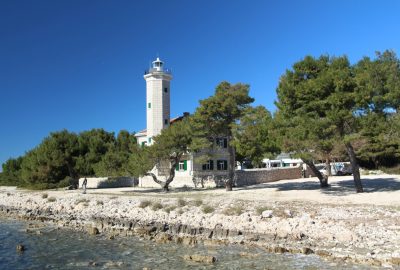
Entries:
{"x":66,"y":249}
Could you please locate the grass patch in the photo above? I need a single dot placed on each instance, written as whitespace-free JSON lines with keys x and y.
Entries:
{"x":99,"y":202}
{"x":391,"y":170}
{"x":45,"y":195}
{"x":157,"y":206}
{"x":197,"y":202}
{"x":261,"y":209}
{"x":82,"y":201}
{"x":144,"y":204}
{"x":236,"y":210}
{"x":169,"y":208}
{"x":51,"y":199}
{"x":206,"y":209}
{"x":182,"y":202}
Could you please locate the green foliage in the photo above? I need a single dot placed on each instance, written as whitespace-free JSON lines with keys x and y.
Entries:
{"x":115,"y":161}
{"x":207,"y":209}
{"x":326,"y":102}
{"x":181,"y":202}
{"x":165,"y":153}
{"x":261,"y":209}
{"x":11,"y":175}
{"x":99,"y":202}
{"x":62,"y":157}
{"x":144,"y":204}
{"x":378,"y":100}
{"x":233,"y":210}
{"x":169,"y":208}
{"x":216,"y":116}
{"x":68,"y":181}
{"x":315,"y":106}
{"x":253,"y":137}
{"x":51,"y":199}
{"x":197,"y":202}
{"x":392,"y":170}
{"x":79,"y":201}
{"x":157,"y":206}
{"x":93,"y":145}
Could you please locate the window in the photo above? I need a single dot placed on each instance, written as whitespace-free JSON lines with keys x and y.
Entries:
{"x":166,"y":121}
{"x":181,"y":166}
{"x":148,"y":105}
{"x":150,"y":140}
{"x":222,"y":165}
{"x":166,"y":90}
{"x":209,"y":166}
{"x":143,"y":144}
{"x":222,"y":142}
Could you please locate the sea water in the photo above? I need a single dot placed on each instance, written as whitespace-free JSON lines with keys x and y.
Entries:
{"x":54,"y":248}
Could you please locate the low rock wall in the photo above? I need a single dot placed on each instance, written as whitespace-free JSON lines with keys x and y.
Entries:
{"x":109,"y":182}
{"x":258,"y":176}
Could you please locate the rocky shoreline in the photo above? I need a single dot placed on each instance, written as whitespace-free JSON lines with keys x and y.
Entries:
{"x":362,"y":234}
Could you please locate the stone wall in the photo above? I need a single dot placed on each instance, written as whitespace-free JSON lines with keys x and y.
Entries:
{"x":109,"y":182}
{"x":257,"y":176}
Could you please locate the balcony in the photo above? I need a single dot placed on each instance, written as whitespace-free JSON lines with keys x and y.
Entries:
{"x":154,"y":71}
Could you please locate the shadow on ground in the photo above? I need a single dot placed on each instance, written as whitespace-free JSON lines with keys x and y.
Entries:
{"x":170,"y":192}
{"x":341,"y":188}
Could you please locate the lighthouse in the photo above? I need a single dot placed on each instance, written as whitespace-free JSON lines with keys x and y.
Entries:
{"x":158,"y":93}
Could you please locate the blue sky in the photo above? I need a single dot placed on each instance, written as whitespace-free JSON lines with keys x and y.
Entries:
{"x":79,"y":65}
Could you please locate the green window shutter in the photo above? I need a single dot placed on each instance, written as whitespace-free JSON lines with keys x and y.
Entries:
{"x":177,"y":167}
{"x":225,"y":142}
{"x":149,"y":105}
{"x":225,"y":165}
{"x":211,"y":165}
{"x":185,"y":165}
{"x":143,"y":143}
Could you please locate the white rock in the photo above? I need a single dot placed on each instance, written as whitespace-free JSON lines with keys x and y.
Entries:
{"x":267,"y":214}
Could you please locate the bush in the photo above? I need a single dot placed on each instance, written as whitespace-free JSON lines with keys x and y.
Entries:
{"x":156,"y":206}
{"x":261,"y":209}
{"x":391,"y":170}
{"x":39,"y":186}
{"x":207,"y":209}
{"x":169,"y":208}
{"x":68,"y":181}
{"x":198,"y":202}
{"x":51,"y":199}
{"x":99,"y":202}
{"x":144,"y":204}
{"x":181,"y":202}
{"x":233,"y":211}
{"x":82,"y":201}
{"x":45,"y":195}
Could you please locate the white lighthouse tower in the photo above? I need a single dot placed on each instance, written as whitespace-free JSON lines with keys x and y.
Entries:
{"x":157,"y":99}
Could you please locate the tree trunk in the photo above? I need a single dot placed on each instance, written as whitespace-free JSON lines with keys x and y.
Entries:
{"x":328,"y":167}
{"x":171,"y":176}
{"x":165,"y":185}
{"x":354,"y":167}
{"x":231,"y":166}
{"x":323,"y":179}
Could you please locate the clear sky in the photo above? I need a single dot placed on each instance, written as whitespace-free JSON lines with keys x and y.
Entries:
{"x":79,"y":65}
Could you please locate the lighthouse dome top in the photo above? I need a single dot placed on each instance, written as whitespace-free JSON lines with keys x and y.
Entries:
{"x":158,"y":64}
{"x":157,"y":67}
